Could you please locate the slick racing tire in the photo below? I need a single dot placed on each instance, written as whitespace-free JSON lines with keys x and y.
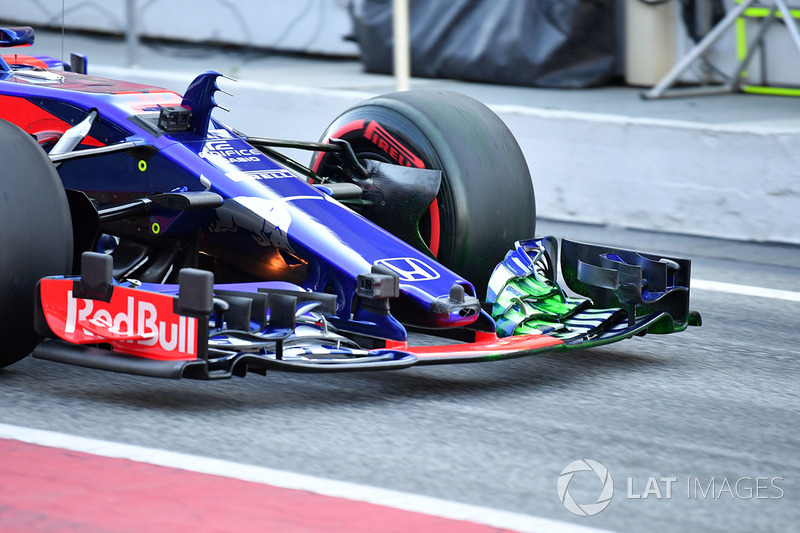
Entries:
{"x":485,"y":202}
{"x":35,"y":239}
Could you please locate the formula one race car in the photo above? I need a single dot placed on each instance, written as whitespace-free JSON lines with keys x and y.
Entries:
{"x":205,"y":253}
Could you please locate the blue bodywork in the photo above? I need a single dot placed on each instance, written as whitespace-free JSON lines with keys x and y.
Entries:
{"x":273,"y":224}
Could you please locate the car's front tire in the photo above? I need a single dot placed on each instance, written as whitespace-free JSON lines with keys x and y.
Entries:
{"x":486,"y":199}
{"x":35,"y":236}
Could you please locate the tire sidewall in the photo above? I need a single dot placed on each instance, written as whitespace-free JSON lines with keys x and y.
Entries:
{"x":36,"y":239}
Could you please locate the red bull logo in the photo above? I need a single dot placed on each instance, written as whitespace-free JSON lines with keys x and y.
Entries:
{"x":133,"y":322}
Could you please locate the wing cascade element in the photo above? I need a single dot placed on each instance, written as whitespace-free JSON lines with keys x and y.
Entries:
{"x":617,"y":292}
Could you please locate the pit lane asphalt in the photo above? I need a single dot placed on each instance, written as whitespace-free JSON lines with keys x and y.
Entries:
{"x":716,"y":402}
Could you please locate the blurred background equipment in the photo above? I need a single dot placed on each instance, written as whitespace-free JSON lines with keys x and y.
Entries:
{"x":317,"y":27}
{"x":769,"y":10}
{"x":773,"y":68}
{"x":543,"y":43}
{"x":651,"y":40}
{"x":535,"y":43}
{"x":401,"y":44}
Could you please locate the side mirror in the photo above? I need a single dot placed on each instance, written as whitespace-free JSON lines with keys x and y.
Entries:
{"x":16,"y":36}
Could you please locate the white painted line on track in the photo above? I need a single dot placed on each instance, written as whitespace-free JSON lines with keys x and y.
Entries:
{"x":745,"y":290}
{"x":626,"y":120}
{"x":290,"y":480}
{"x":185,"y":77}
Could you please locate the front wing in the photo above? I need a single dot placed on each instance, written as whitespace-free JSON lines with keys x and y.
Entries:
{"x":200,"y":330}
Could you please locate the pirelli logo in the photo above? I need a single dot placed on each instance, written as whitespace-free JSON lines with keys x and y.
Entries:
{"x":381,"y":138}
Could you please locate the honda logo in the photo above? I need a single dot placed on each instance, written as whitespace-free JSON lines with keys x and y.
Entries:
{"x":410,"y":269}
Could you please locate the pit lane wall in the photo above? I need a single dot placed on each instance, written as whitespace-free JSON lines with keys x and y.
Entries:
{"x":728,"y":181}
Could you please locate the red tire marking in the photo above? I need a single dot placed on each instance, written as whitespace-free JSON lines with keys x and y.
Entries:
{"x":347,"y":128}
{"x":338,"y":134}
{"x":381,"y":138}
{"x":55,"y":490}
{"x":436,"y":231}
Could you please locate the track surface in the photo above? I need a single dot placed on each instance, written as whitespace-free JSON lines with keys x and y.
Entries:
{"x":720,"y":402}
